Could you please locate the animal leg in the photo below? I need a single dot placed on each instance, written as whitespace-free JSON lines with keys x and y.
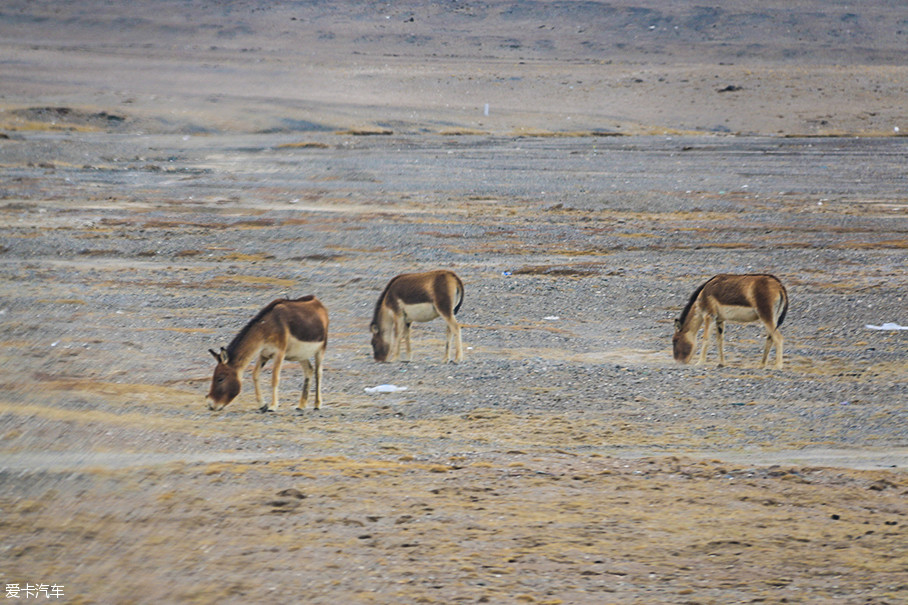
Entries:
{"x":406,"y":339}
{"x":319,"y":358}
{"x":768,"y":312}
{"x":780,"y":344}
{"x":307,"y":372}
{"x":452,"y":340}
{"x":275,"y":380}
{"x":256,"y":373}
{"x":773,"y":337}
{"x":398,"y":334}
{"x":720,"y":340}
{"x":706,"y":327}
{"x":459,"y":344}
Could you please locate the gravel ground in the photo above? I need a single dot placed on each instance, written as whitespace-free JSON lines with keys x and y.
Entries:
{"x":127,"y":257}
{"x":168,"y":168}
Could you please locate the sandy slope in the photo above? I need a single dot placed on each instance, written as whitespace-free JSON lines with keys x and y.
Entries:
{"x":565,"y":66}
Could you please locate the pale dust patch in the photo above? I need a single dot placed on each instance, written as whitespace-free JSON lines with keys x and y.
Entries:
{"x":624,"y":356}
{"x":226,"y":280}
{"x":345,"y":207}
{"x":111,"y":391}
{"x":840,"y":366}
{"x":116,"y":389}
{"x":627,"y":356}
{"x":863,"y":459}
{"x":106,"y":461}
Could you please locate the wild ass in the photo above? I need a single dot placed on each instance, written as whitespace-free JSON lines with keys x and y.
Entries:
{"x":416,"y":297}
{"x":296,"y":330}
{"x":738,"y":298}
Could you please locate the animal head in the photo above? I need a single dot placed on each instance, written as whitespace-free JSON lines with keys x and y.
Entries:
{"x":682,"y":344}
{"x":380,"y":346}
{"x":225,"y":383}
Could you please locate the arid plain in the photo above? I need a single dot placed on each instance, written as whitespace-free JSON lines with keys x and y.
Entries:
{"x":168,"y":168}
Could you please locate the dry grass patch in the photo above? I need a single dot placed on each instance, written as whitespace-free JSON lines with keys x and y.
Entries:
{"x":303,"y":145}
{"x":223,"y":281}
{"x":556,"y":271}
{"x":458,"y":132}
{"x":565,"y":134}
{"x":364,"y":131}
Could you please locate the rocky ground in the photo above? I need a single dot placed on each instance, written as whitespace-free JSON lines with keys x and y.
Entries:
{"x":163,"y":182}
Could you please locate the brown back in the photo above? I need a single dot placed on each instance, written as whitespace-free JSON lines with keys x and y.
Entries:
{"x":740,"y":290}
{"x":416,"y":288}
{"x":305,"y":318}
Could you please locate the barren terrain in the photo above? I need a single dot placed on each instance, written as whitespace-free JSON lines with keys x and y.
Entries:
{"x":167,"y":169}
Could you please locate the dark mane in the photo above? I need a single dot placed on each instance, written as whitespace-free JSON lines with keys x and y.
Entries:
{"x":690,"y":303}
{"x":381,"y":299}
{"x":235,"y":343}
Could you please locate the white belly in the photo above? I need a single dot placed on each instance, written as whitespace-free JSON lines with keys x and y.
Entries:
{"x":297,"y":350}
{"x":738,"y":314}
{"x":420,"y":312}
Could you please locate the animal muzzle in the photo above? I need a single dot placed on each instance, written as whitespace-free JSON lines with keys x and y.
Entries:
{"x":682,"y":349}
{"x":380,"y":351}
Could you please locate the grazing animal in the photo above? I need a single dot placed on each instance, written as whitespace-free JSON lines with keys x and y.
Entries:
{"x":738,"y":298}
{"x":416,"y":297}
{"x":296,"y":330}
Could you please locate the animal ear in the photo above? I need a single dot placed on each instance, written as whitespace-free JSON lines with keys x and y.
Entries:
{"x":373,"y":328}
{"x":677,"y":324}
{"x":224,"y":357}
{"x":215,"y":355}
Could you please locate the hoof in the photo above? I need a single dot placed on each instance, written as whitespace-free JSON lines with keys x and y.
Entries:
{"x":265,"y":409}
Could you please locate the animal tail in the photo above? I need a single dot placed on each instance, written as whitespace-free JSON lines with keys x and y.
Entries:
{"x":459,"y":302}
{"x":784,"y":307}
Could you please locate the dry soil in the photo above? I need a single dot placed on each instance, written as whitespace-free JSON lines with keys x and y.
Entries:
{"x":168,"y":168}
